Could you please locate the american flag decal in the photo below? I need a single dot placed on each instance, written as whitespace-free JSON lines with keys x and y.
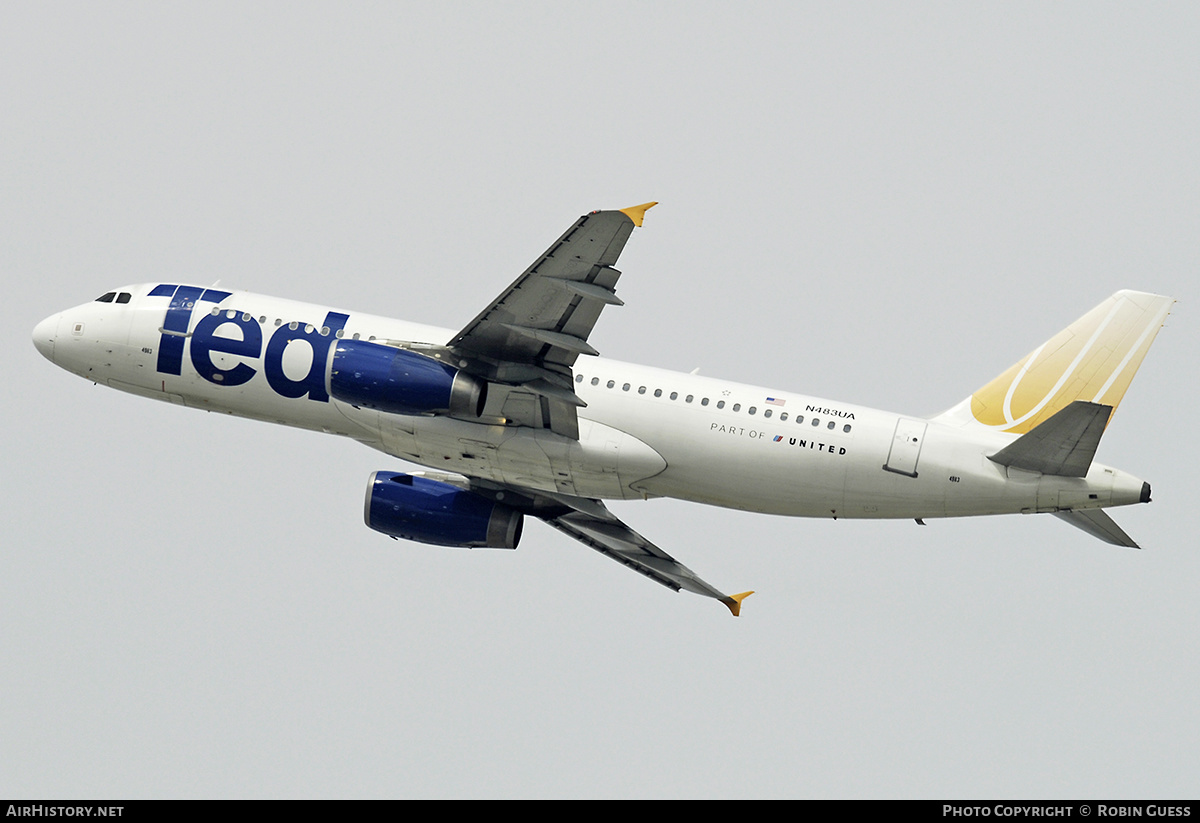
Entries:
{"x":775,"y":401}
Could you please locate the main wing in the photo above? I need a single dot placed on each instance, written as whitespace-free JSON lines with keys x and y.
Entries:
{"x":605,"y":533}
{"x":590,"y":522}
{"x":525,"y":343}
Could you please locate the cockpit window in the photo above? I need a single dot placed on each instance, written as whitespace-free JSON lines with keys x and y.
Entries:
{"x":107,"y":297}
{"x":123,"y":297}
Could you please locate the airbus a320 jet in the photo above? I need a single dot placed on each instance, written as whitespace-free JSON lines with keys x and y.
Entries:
{"x":511,"y":422}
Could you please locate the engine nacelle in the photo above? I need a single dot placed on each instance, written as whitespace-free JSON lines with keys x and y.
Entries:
{"x":402,"y":381}
{"x":430,"y":511}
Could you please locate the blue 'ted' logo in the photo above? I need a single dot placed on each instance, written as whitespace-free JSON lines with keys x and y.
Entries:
{"x":205,"y":341}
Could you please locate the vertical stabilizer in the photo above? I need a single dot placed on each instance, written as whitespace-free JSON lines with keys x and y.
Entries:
{"x":1094,"y":359}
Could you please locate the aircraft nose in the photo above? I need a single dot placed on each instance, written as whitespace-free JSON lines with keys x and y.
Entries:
{"x":44,"y":334}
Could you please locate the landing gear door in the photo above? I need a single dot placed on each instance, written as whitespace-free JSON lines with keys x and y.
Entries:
{"x":906,"y":447}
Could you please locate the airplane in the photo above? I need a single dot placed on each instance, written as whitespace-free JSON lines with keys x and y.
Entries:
{"x":510,"y":421}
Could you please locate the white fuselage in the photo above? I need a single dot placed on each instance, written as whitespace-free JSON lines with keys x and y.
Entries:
{"x":645,"y":432}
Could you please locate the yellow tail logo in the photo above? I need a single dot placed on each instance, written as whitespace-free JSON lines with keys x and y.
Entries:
{"x":1093,"y":359}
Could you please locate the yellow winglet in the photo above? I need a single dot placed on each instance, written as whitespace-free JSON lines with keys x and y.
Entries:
{"x":638,"y":213}
{"x":734,"y":602}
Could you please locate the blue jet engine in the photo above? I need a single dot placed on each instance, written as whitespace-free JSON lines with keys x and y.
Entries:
{"x":400,"y":381}
{"x":430,"y":511}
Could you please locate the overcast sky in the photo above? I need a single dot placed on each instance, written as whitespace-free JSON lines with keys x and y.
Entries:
{"x":885,"y":204}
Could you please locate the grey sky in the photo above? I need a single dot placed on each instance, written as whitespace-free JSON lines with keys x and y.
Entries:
{"x":882,"y":204}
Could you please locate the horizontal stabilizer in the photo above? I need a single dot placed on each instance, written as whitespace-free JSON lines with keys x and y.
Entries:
{"x":1064,"y":445}
{"x":1098,"y":524}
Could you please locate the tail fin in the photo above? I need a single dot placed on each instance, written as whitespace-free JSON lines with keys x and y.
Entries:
{"x":1094,"y":359}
